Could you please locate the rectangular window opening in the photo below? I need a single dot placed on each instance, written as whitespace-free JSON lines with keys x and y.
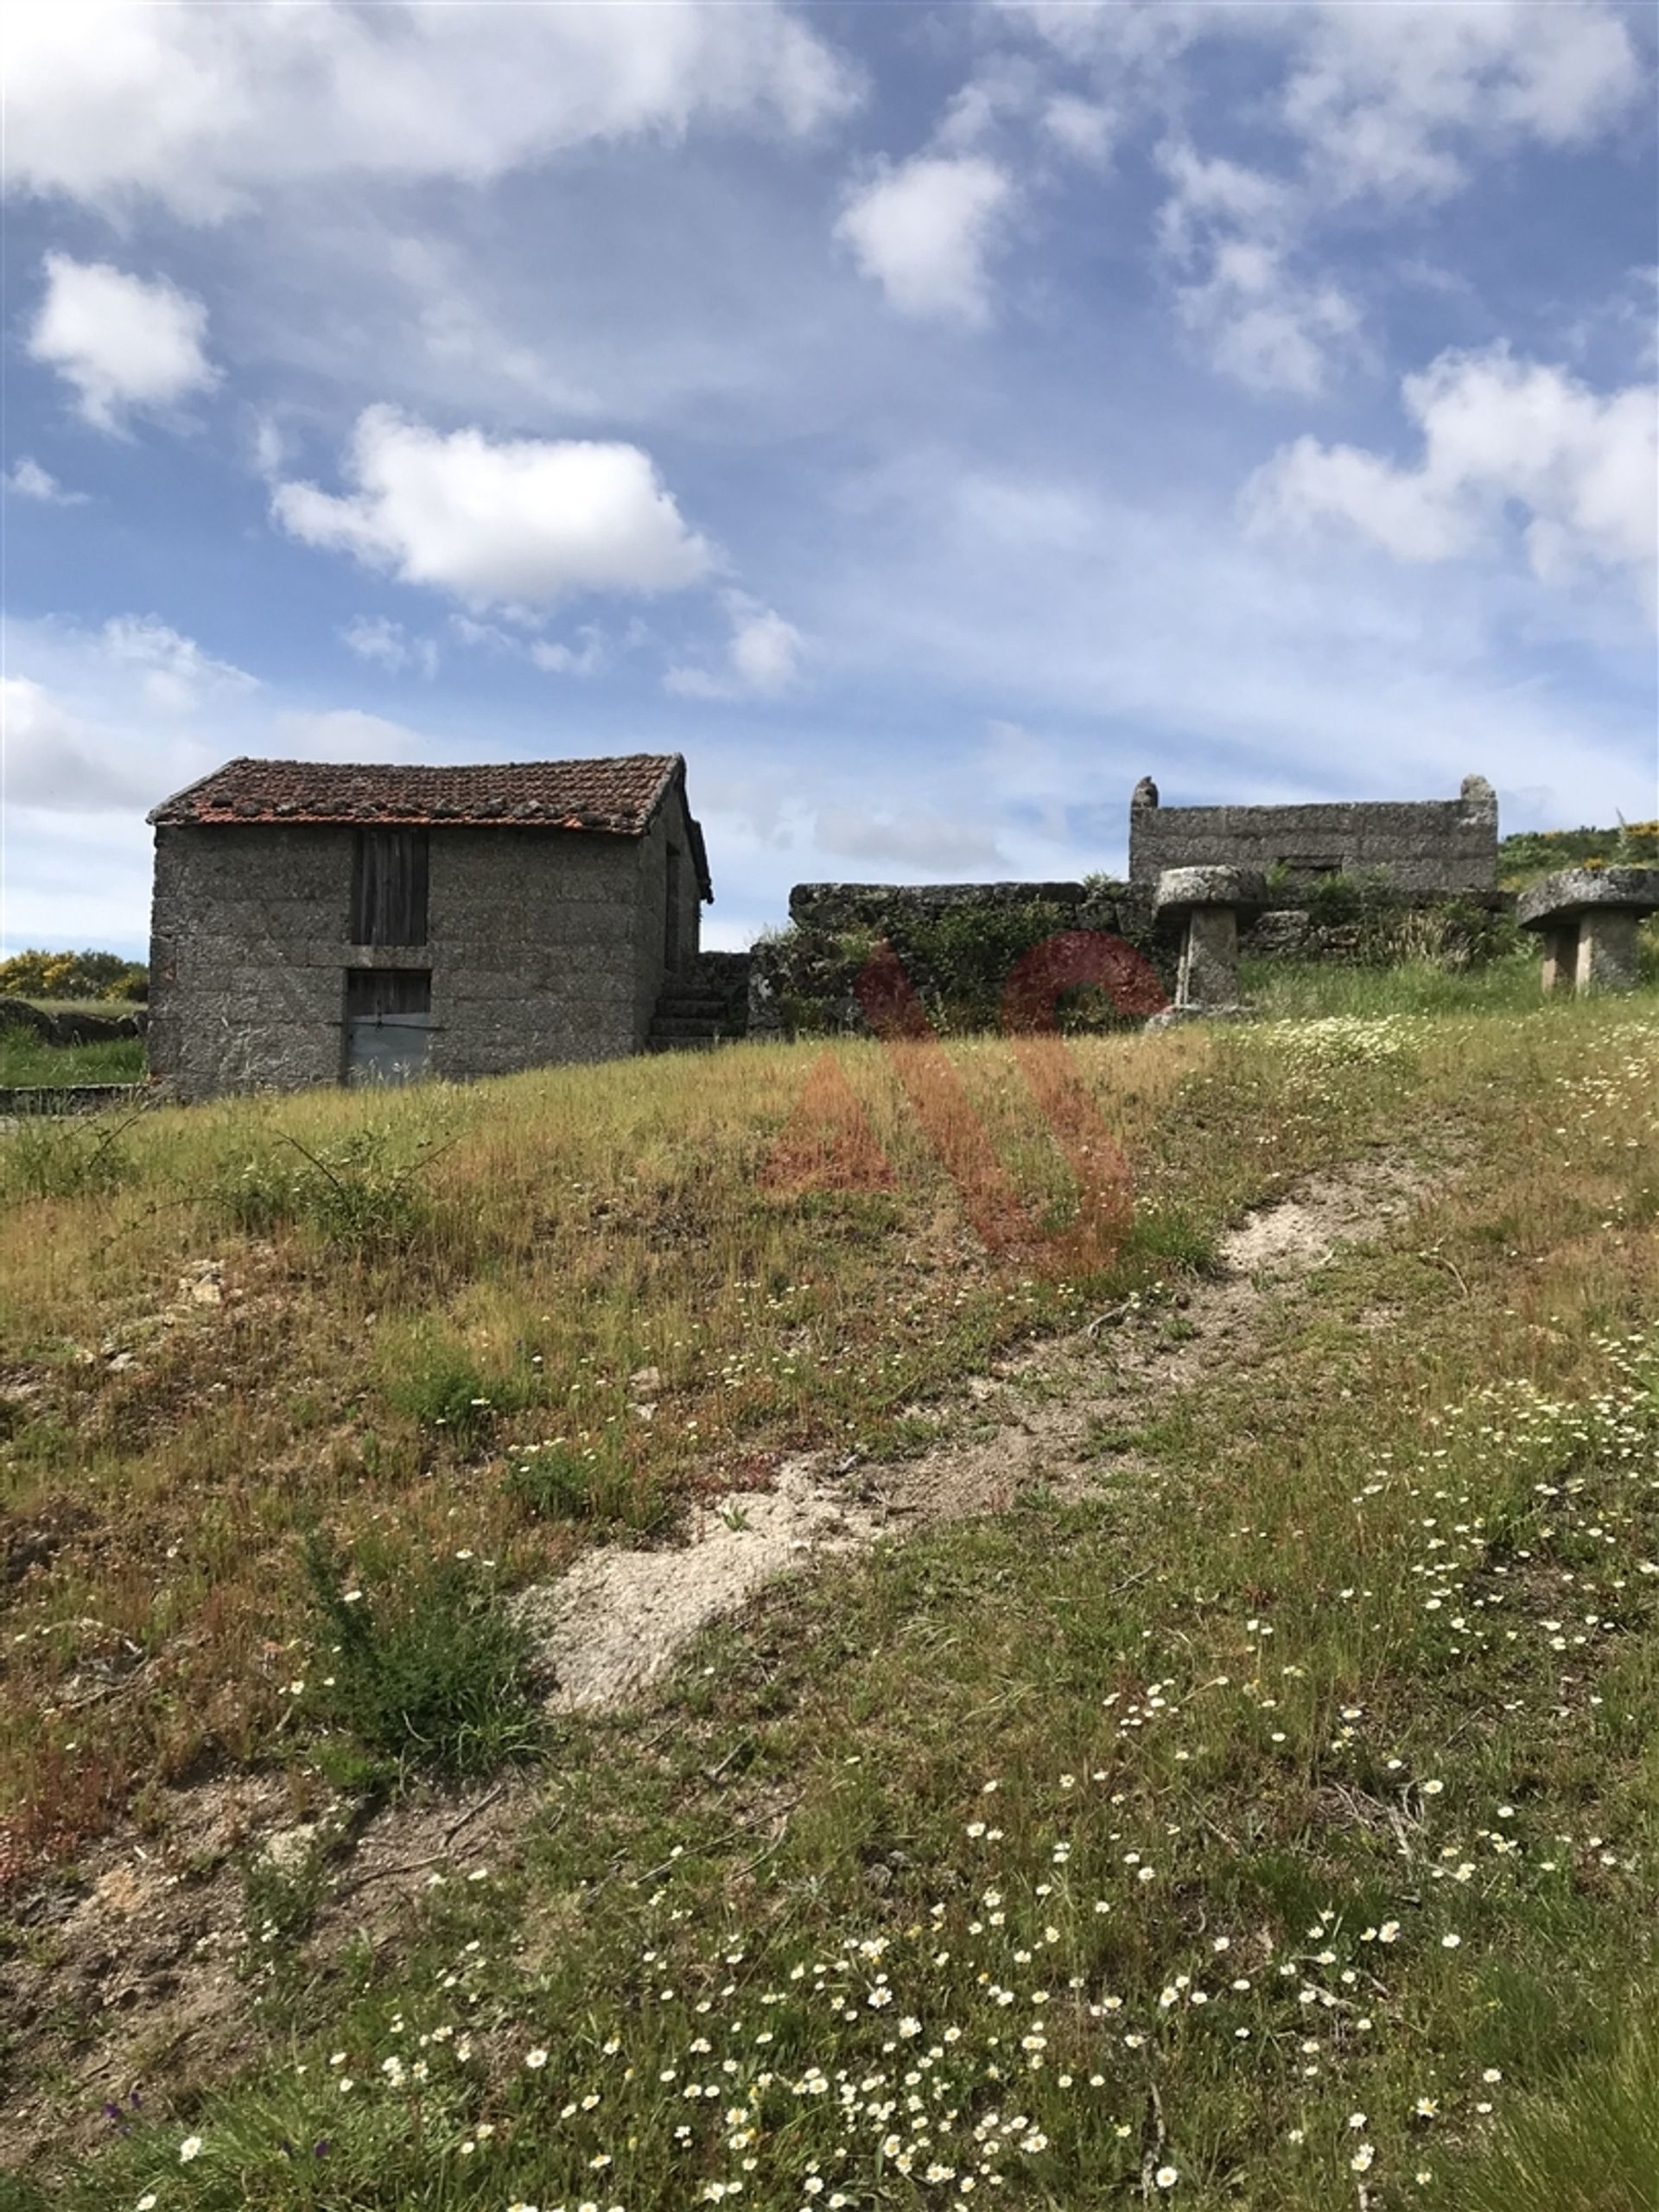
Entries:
{"x":388,"y":1023}
{"x":389,"y":887}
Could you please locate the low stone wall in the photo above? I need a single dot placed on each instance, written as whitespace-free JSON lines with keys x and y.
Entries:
{"x":1375,"y":927}
{"x":72,"y":1029}
{"x":958,"y":942}
{"x":36,"y":1098}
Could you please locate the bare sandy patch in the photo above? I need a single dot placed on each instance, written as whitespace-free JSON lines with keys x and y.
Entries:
{"x":619,"y":1619}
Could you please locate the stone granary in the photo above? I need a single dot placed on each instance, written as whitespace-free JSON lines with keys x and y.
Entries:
{"x":1443,"y":846}
{"x":315,"y":923}
{"x":1586,"y":918}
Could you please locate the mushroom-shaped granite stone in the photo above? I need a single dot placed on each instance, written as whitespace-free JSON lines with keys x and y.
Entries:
{"x":1206,"y":903}
{"x":1586,"y":918}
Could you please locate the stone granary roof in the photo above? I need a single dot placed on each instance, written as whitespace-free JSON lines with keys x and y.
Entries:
{"x":618,"y":797}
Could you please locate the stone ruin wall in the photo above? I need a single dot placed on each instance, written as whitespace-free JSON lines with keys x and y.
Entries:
{"x":1444,"y":846}
{"x":806,"y":971}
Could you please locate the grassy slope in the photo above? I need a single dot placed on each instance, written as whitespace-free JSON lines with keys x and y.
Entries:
{"x":1229,"y":1665}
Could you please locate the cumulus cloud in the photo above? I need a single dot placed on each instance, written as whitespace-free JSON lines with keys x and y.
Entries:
{"x":207,"y":108}
{"x":175,"y":675}
{"x":28,"y":480}
{"x":378,"y":638}
{"x":925,"y":231}
{"x":1388,"y":98}
{"x":58,"y":761}
{"x":506,"y":522}
{"x":763,"y":657}
{"x":1498,"y":434}
{"x":122,"y":343}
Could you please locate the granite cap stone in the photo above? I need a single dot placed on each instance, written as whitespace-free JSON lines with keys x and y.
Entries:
{"x":1571,"y":890}
{"x":1180,"y":889}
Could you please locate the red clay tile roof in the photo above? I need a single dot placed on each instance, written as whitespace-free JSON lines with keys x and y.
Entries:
{"x":619,"y":797}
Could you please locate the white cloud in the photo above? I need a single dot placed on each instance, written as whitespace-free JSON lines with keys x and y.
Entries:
{"x":122,"y":343}
{"x":763,"y":657}
{"x":177,"y":674}
{"x":208,"y":108}
{"x":931,"y":842}
{"x":1379,"y":99}
{"x":1084,"y":129}
{"x":925,"y":230}
{"x":1368,"y":104}
{"x":1497,"y":434}
{"x":555,"y":659}
{"x":1231,"y":232}
{"x":28,"y":480}
{"x":378,"y":638}
{"x":766,"y":650}
{"x":1386,"y":97}
{"x":510,"y":523}
{"x":56,"y":761}
{"x":347,"y":734}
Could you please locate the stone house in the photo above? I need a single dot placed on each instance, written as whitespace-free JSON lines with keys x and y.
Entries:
{"x":1440,"y":847}
{"x":316,"y":923}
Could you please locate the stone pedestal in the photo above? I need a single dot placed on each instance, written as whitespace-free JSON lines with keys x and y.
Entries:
{"x":1586,"y":918}
{"x":1560,"y":956}
{"x":1209,"y":970}
{"x":1205,"y":904}
{"x":1606,"y":959}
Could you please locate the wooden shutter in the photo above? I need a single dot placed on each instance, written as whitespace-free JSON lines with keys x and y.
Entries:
{"x":389,"y":887}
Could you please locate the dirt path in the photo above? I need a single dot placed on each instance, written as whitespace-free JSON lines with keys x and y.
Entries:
{"x":151,"y":1942}
{"x":617,"y":1619}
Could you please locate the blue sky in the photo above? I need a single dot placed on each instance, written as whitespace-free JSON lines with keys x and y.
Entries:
{"x":929,"y":419}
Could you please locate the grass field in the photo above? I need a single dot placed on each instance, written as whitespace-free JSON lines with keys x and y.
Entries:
{"x":1272,"y":1828}
{"x":26,"y":1058}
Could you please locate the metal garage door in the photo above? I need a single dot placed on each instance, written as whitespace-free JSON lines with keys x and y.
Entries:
{"x":388,"y":1023}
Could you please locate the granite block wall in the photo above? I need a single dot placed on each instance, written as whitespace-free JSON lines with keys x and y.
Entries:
{"x":1426,"y":845}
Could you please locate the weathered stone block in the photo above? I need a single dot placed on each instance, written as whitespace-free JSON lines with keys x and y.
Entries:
{"x":1571,"y":890}
{"x":1180,"y":890}
{"x":1560,"y":955}
{"x":1606,"y":950}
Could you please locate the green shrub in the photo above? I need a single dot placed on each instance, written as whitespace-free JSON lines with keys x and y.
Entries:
{"x":36,"y":975}
{"x":958,"y":960}
{"x":437,"y":1383}
{"x":1523,"y":858}
{"x":552,"y":1483}
{"x":430,"y":1670}
{"x":353,"y":1193}
{"x":64,"y":1156}
{"x":556,"y":1481}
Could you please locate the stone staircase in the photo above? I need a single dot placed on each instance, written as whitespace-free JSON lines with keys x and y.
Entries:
{"x":707,"y":1005}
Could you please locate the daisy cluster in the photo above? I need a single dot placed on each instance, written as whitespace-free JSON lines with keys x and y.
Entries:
{"x":1335,"y":1040}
